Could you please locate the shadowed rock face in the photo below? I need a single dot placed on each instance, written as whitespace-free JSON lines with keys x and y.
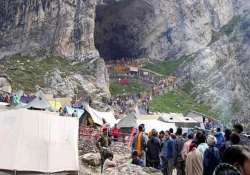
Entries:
{"x":65,"y":28}
{"x":120,"y":28}
{"x":157,"y":28}
{"x":124,"y":28}
{"x":40,"y":27}
{"x":220,"y":72}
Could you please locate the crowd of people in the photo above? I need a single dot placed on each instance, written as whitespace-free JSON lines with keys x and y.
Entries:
{"x":160,"y":87}
{"x":5,"y":98}
{"x":123,"y":102}
{"x":197,"y":153}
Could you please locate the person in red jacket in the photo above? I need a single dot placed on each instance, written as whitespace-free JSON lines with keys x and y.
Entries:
{"x":115,"y":132}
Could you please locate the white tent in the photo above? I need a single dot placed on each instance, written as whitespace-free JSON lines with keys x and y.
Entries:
{"x":171,"y":117}
{"x":133,"y":69}
{"x":99,"y":116}
{"x":38,"y":141}
{"x":4,"y":104}
{"x":40,"y":102}
{"x":156,"y":124}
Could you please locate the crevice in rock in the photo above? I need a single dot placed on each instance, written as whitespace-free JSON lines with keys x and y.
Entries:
{"x":119,"y":28}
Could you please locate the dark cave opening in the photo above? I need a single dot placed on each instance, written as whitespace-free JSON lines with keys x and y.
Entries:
{"x":118,"y":29}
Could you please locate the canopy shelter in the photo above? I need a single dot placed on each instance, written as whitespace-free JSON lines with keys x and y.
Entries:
{"x":4,"y":104}
{"x":171,"y":117}
{"x":180,"y":121}
{"x":133,"y":69}
{"x":38,"y":141}
{"x":93,"y":117}
{"x":40,"y":102}
{"x":196,"y":116}
{"x":157,"y":125}
{"x":127,"y":123}
{"x":55,"y":105}
{"x":69,"y":110}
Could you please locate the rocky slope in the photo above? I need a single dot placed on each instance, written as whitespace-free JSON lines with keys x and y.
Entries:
{"x":44,"y":29}
{"x":220,"y":72}
{"x":213,"y":33}
{"x":59,"y":27}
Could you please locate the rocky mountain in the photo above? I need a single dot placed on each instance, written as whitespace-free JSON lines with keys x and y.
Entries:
{"x":53,"y":28}
{"x":213,"y":33}
{"x":40,"y":27}
{"x":158,"y":28}
{"x":220,"y":71}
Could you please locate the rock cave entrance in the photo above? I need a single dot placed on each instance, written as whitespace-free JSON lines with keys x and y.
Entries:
{"x":119,"y":28}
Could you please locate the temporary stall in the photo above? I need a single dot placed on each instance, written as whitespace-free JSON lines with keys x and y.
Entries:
{"x":157,"y":125}
{"x":196,"y":116}
{"x":55,"y":105}
{"x":37,"y":141}
{"x":40,"y":102}
{"x":133,"y":69}
{"x":94,"y":117}
{"x":127,"y":123}
{"x":4,"y":104}
{"x":179,"y":120}
{"x":69,"y":110}
{"x":171,"y":117}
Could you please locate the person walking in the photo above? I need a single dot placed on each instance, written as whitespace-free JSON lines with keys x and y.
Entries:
{"x":139,"y":143}
{"x":220,"y":139}
{"x":167,"y":154}
{"x":153,"y":151}
{"x":201,"y":141}
{"x":115,"y":133}
{"x":194,"y":161}
{"x":102,"y":145}
{"x":179,"y":143}
{"x":236,"y":161}
{"x":211,"y":156}
{"x":186,"y":146}
{"x":238,"y":128}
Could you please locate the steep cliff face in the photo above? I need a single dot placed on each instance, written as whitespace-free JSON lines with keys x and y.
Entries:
{"x":41,"y":27}
{"x":41,"y":30}
{"x":158,"y":28}
{"x":221,"y":72}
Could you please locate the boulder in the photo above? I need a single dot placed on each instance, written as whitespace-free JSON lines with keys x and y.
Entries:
{"x":93,"y":159}
{"x":5,"y":84}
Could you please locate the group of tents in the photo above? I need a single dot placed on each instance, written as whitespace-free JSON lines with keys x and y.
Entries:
{"x":41,"y":141}
{"x":160,"y":122}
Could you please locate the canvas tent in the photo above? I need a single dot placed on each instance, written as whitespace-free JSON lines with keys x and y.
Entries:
{"x":94,"y":117}
{"x":40,"y":102}
{"x":179,"y":120}
{"x":156,"y":124}
{"x":38,"y":141}
{"x":196,"y":116}
{"x":4,"y":104}
{"x":127,"y":123}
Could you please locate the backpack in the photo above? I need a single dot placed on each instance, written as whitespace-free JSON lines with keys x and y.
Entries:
{"x":211,"y":160}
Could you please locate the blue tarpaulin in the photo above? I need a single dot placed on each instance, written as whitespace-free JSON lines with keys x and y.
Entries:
{"x":69,"y":110}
